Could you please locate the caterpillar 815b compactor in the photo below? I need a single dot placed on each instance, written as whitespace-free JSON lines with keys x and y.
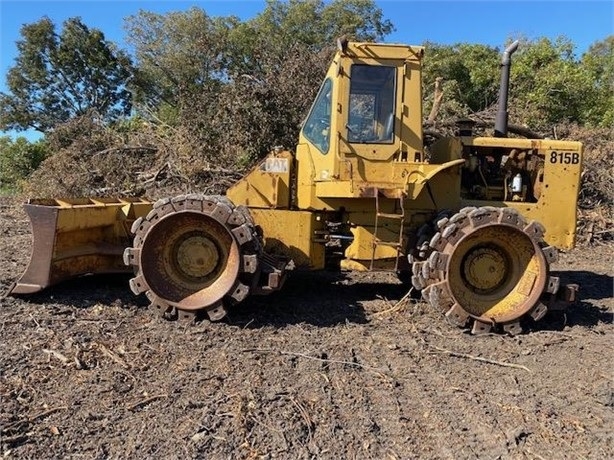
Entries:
{"x":473,"y":222}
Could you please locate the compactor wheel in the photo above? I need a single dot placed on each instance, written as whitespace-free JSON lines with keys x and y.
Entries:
{"x":194,"y":253}
{"x":488,"y":268}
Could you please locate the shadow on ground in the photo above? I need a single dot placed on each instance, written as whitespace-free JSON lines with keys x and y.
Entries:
{"x":593,"y":286}
{"x":586,"y":311}
{"x":323,"y":299}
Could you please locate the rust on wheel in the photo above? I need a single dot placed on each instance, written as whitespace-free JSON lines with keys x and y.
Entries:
{"x":487,"y":267}
{"x":194,"y":253}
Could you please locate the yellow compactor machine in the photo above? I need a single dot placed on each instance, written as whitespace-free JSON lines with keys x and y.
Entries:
{"x":473,"y":222}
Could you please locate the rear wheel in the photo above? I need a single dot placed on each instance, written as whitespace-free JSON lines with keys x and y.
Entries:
{"x":194,"y":254}
{"x":487,"y":267}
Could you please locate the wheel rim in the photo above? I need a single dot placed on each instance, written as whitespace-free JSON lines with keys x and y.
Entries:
{"x":190,"y":260}
{"x":497,"y":272}
{"x":484,"y":268}
{"x":196,"y":257}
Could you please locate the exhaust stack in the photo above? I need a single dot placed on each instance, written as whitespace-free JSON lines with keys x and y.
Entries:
{"x":502,"y":115}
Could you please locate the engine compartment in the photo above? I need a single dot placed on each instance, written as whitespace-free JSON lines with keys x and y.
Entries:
{"x":501,"y":174}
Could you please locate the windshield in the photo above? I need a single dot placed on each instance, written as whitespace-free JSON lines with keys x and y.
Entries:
{"x":371,"y":110}
{"x":317,"y":125}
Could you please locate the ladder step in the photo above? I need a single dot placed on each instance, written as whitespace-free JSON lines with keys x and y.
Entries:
{"x":390,"y":216}
{"x":397,"y":245}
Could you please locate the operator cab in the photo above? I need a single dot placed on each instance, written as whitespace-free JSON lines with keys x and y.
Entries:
{"x":364,"y":125}
{"x":367,"y":111}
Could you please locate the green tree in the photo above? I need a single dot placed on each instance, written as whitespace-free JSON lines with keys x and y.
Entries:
{"x":18,"y":159}
{"x":598,"y":61}
{"x":548,"y":84}
{"x":313,"y":24}
{"x":242,"y":87}
{"x":180,"y":54}
{"x":60,"y":76}
{"x":470,"y":75}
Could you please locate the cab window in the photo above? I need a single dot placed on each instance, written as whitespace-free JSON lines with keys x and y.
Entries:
{"x":317,"y":125}
{"x":372,"y":100}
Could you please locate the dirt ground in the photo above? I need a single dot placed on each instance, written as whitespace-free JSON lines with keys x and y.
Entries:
{"x":333,"y":366}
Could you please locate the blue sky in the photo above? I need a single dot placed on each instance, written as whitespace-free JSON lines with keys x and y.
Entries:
{"x":446,"y":22}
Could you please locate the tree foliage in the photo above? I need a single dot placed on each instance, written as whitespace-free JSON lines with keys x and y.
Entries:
{"x":57,"y":77}
{"x":314,"y":25}
{"x":470,"y":75}
{"x":179,"y":54}
{"x":241,"y":87}
{"x":219,"y":92}
{"x":18,"y":159}
{"x":548,"y":84}
{"x":599,"y":63}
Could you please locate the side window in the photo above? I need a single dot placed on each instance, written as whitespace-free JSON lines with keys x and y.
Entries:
{"x":372,"y":99}
{"x":317,"y":125}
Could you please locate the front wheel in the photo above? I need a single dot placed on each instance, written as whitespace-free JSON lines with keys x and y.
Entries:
{"x":193,"y":254}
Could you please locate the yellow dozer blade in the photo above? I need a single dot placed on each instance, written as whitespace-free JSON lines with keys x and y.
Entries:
{"x":78,"y":237}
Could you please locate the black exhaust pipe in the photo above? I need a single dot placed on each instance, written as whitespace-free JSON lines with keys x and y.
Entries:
{"x":502,"y":115}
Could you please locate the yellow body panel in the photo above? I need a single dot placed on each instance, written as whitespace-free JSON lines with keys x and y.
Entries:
{"x":267,"y":185}
{"x":366,"y":265}
{"x":362,"y":246}
{"x":292,"y":234}
{"x":557,"y":204}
